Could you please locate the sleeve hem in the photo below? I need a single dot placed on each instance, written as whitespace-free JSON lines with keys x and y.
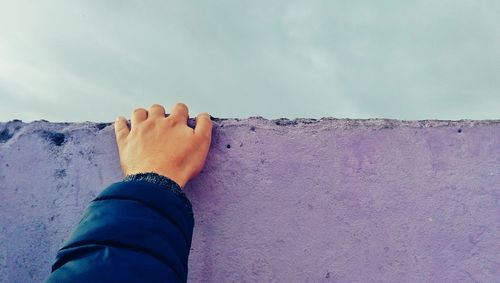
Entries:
{"x":160,"y":180}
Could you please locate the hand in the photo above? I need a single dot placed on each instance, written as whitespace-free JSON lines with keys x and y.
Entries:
{"x":164,"y":145}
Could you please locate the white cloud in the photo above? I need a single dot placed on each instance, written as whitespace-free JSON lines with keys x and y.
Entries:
{"x":407,"y":60}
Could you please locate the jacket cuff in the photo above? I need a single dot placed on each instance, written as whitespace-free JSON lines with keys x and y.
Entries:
{"x":162,"y":181}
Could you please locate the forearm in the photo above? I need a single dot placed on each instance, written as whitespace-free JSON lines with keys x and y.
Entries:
{"x":139,"y":229}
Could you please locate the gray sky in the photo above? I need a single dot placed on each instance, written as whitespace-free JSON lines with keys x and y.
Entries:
{"x":94,"y":60}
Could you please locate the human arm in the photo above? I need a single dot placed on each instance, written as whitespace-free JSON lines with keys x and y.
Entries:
{"x":140,"y":229}
{"x":133,"y":231}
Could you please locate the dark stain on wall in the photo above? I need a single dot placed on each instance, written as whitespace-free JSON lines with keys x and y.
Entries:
{"x":285,"y":122}
{"x":101,"y":126}
{"x":60,"y":173}
{"x":7,"y":133}
{"x":55,"y":138}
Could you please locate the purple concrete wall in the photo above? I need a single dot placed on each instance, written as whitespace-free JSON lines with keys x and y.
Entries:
{"x":281,"y":201}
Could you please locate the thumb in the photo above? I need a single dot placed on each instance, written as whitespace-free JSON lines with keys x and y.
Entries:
{"x":121,"y":130}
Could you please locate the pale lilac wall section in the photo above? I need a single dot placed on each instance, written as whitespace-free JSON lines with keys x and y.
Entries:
{"x":281,"y":201}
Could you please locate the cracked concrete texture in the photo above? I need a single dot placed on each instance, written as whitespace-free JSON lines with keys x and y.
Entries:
{"x":304,"y":200}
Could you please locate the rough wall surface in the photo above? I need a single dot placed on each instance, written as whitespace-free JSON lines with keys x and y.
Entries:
{"x":328,"y":200}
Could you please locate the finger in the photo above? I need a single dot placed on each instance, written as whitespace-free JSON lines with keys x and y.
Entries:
{"x":121,"y":130}
{"x":203,"y":126}
{"x":138,"y":115}
{"x":180,"y":113}
{"x":156,"y":111}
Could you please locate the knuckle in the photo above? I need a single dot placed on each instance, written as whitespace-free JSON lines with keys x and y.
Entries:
{"x":120,"y":129}
{"x":203,"y":138}
{"x":139,"y":109}
{"x":170,"y":122}
{"x":145,"y":126}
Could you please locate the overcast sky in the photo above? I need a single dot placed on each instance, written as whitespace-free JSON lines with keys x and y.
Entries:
{"x":94,"y":60}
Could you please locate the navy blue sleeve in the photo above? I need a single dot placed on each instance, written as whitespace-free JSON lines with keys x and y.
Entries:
{"x":136,"y":230}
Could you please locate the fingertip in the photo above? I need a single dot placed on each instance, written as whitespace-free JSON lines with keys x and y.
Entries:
{"x":203,"y":126}
{"x":121,"y":127}
{"x":118,"y":122}
{"x":204,"y":114}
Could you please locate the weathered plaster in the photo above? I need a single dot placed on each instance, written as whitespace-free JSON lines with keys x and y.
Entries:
{"x":328,"y":200}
